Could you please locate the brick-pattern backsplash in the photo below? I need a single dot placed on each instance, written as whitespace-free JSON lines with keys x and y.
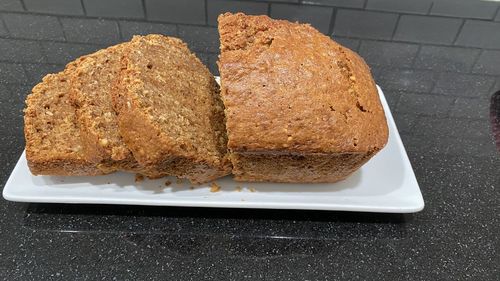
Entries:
{"x":433,"y":58}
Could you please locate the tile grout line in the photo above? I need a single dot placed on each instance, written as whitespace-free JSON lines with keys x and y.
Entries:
{"x":450,"y":108}
{"x":62,"y":29}
{"x":2,"y":21}
{"x":458,"y":33}
{"x":206,"y":12}
{"x":83,"y":8}
{"x":143,"y":3}
{"x":333,"y":16}
{"x":497,"y":13}
{"x":396,"y":25}
{"x":414,"y":60}
{"x":23,"y":5}
{"x":476,"y":59}
{"x":430,"y":8}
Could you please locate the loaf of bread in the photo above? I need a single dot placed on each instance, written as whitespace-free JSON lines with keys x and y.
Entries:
{"x":169,"y":111}
{"x":299,"y":106}
{"x":53,"y":139}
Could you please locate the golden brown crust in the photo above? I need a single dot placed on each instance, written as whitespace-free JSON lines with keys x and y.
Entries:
{"x":288,"y":88}
{"x":53,"y":144}
{"x":299,"y":106}
{"x":169,"y":112}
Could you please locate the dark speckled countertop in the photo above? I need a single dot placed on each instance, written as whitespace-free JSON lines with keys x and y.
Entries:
{"x":438,"y":63}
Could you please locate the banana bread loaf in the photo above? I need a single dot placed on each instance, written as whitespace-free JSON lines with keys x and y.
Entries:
{"x":299,"y":106}
{"x":169,"y":111}
{"x":53,"y":141}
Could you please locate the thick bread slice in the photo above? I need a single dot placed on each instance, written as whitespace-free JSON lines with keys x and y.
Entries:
{"x":92,"y":81}
{"x":169,"y":111}
{"x":53,"y":143}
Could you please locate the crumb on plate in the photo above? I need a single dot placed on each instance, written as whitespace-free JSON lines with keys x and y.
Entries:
{"x":139,"y":177}
{"x":214,"y":187}
{"x":167,"y":183}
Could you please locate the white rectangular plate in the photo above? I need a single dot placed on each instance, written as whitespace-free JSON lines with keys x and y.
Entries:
{"x":385,"y":184}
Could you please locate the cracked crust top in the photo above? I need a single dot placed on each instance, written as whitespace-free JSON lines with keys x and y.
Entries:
{"x":287,"y":88}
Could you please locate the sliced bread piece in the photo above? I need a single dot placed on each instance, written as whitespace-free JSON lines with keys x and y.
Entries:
{"x":92,"y":81}
{"x":53,"y":143}
{"x":169,"y":111}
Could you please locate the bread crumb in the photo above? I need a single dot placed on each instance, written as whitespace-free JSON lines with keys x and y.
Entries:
{"x":214,"y":187}
{"x":191,"y":187}
{"x":252,"y":189}
{"x":139,"y":177}
{"x":238,"y":188}
{"x":167,"y":183}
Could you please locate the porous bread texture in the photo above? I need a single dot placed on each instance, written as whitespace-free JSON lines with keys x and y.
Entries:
{"x":92,"y":82}
{"x":53,"y":140}
{"x":169,"y":110}
{"x":295,"y":98}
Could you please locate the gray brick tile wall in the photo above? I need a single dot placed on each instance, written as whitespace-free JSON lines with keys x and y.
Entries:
{"x":465,"y":9}
{"x":217,"y":7}
{"x":12,"y":73}
{"x":471,"y":108}
{"x":488,"y":63}
{"x":409,"y":80}
{"x":350,"y":43}
{"x":319,"y":17}
{"x":33,"y":26}
{"x":464,"y":85}
{"x":481,"y":34}
{"x":440,"y":58}
{"x":425,"y":29}
{"x":378,"y":53}
{"x":114,"y":8}
{"x":336,"y":3}
{"x":130,"y":28}
{"x":186,"y":11}
{"x":63,"y":7}
{"x":407,"y":6}
{"x":200,"y":39}
{"x":96,"y":31}
{"x":35,"y":72}
{"x":62,"y":53}
{"x":20,"y":51}
{"x":364,"y":24}
{"x":423,"y":104}
{"x":11,"y":5}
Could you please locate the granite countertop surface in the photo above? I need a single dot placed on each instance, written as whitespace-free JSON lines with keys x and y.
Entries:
{"x":438,"y":63}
